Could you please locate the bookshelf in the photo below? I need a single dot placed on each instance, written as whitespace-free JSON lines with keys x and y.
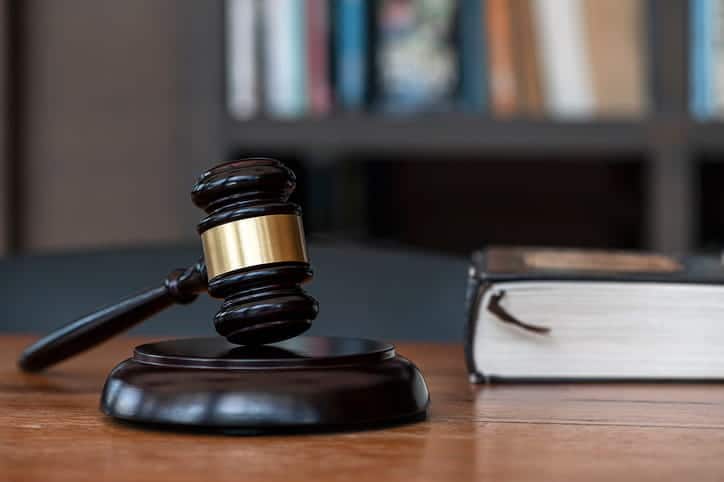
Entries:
{"x":667,"y":142}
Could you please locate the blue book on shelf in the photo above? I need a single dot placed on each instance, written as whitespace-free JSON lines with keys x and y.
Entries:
{"x":701,"y":82}
{"x":351,"y":52}
{"x":473,"y":55}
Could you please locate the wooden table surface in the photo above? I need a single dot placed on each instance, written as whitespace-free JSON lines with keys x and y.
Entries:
{"x":51,"y":429}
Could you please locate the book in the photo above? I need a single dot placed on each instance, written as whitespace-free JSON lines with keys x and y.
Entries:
{"x":417,"y":67}
{"x":285,"y":58}
{"x":616,"y":43}
{"x":566,"y":314}
{"x":528,"y":84}
{"x":241,"y":79}
{"x":473,"y":55}
{"x":563,"y":58}
{"x":717,"y":52}
{"x":318,"y":79}
{"x":700,"y":75}
{"x":503,"y":80}
{"x":351,"y":50}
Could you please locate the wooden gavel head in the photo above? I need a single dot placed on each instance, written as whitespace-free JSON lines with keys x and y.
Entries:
{"x":254,"y":251}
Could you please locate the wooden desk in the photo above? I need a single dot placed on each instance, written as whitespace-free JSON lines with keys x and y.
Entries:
{"x":51,"y":429}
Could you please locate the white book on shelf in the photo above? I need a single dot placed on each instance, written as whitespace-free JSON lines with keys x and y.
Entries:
{"x":241,"y":71}
{"x":717,"y":52}
{"x":563,"y":57}
{"x":285,"y":57}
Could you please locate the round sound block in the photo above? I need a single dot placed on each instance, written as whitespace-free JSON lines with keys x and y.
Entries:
{"x":303,"y":383}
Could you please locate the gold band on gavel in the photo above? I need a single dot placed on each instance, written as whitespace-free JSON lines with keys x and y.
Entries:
{"x":253,"y":241}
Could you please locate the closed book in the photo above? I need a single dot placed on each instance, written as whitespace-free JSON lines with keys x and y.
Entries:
{"x":564,"y":58}
{"x":351,"y":50}
{"x":318,"y":83}
{"x":242,"y":74}
{"x":503,"y":80}
{"x":473,"y":55}
{"x":285,"y":58}
{"x":564,"y":314}
{"x":616,"y":42}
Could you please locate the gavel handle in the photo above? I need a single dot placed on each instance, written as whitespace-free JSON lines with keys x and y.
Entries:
{"x":181,"y":286}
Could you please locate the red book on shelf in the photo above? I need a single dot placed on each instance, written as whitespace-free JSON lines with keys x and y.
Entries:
{"x":318,"y":56}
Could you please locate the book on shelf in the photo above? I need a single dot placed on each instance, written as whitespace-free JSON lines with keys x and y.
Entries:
{"x":565,"y":65}
{"x":417,"y":65}
{"x":473,"y":56}
{"x":706,"y":70}
{"x":503,"y":79}
{"x":616,"y":43}
{"x":351,"y":49}
{"x":242,"y":75}
{"x":566,"y":314}
{"x":319,"y":91}
{"x":527,"y":68}
{"x":285,"y":57}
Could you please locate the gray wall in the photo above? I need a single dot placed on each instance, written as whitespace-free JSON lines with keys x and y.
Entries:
{"x":103,"y":163}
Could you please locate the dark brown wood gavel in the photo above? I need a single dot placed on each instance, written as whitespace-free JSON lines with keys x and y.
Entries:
{"x":255,"y":259}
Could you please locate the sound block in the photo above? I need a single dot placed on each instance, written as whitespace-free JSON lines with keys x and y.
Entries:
{"x":306,"y":383}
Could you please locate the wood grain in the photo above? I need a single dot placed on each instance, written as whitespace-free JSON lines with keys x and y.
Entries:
{"x":51,"y":430}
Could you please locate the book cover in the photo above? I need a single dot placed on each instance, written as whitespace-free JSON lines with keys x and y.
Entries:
{"x":563,"y":57}
{"x":572,"y":314}
{"x":473,"y":55}
{"x":318,"y":79}
{"x":417,"y":62}
{"x":503,"y":80}
{"x":351,"y":46}
{"x":616,"y":41}
{"x":241,"y":67}
{"x":285,"y":57}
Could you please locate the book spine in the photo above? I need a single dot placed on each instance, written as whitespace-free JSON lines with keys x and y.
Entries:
{"x":319,"y":92}
{"x":717,"y":56}
{"x":241,"y":78}
{"x":285,"y":57}
{"x":700,"y":78}
{"x":616,"y":40}
{"x":503,"y":87}
{"x":473,"y":55}
{"x":527,"y":71}
{"x":564,"y":58}
{"x":351,"y":53}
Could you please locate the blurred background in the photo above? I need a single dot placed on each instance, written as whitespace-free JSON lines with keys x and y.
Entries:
{"x":419,"y":130}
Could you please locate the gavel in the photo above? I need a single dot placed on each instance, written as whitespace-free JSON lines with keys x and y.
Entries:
{"x":254,"y":258}
{"x":259,"y":376}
